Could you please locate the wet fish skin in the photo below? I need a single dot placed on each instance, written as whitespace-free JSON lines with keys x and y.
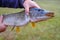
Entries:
{"x":20,"y":18}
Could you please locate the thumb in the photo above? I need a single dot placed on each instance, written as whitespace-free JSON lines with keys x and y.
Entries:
{"x":26,"y":6}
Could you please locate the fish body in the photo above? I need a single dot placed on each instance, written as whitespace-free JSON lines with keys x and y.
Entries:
{"x":21,"y":18}
{"x":16,"y":19}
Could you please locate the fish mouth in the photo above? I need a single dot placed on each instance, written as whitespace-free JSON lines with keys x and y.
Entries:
{"x":50,"y":14}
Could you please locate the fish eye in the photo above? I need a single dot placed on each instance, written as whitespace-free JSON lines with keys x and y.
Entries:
{"x":38,"y":9}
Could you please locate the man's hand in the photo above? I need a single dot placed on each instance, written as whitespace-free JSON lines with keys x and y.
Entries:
{"x":2,"y":26}
{"x":29,"y":4}
{"x":26,"y":6}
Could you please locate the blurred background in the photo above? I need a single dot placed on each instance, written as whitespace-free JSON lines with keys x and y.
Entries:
{"x":46,"y":30}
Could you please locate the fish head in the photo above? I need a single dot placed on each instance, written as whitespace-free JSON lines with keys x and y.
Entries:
{"x":37,"y":14}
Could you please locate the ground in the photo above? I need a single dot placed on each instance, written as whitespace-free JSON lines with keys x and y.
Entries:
{"x":46,"y":30}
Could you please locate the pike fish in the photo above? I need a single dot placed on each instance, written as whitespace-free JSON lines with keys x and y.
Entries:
{"x":21,"y":18}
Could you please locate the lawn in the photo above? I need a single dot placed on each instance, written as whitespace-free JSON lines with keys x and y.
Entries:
{"x":45,"y":30}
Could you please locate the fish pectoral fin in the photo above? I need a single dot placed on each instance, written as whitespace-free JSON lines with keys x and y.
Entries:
{"x":33,"y":24}
{"x":17,"y":29}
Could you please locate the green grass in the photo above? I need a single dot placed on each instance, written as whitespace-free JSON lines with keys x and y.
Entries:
{"x":46,"y":30}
